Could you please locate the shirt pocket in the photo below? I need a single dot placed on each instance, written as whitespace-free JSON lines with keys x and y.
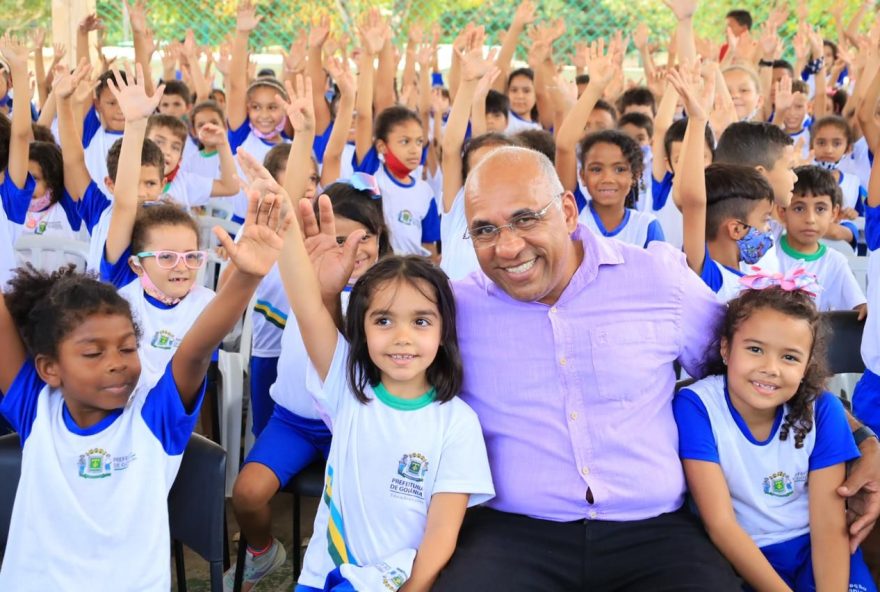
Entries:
{"x":629,"y":357}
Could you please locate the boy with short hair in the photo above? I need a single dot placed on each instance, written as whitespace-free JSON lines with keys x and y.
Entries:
{"x":795,"y":120}
{"x":185,"y":187}
{"x":177,"y":99}
{"x":497,"y":110}
{"x":814,"y":207}
{"x":602,"y":117}
{"x":638,"y":99}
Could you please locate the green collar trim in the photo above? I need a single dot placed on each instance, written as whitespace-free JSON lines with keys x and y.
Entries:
{"x":791,"y":252}
{"x":207,"y":154}
{"x":402,"y":404}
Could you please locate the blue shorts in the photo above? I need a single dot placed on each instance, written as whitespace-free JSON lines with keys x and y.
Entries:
{"x":263,"y":373}
{"x":866,"y":400}
{"x":793,"y":561}
{"x":289,"y":443}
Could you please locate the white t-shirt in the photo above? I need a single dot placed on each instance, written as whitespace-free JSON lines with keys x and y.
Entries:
{"x":91,"y":509}
{"x":871,"y":334}
{"x":244,"y":138}
{"x":189,"y":189}
{"x":767,"y":480}
{"x":516,"y":124}
{"x":206,"y":165}
{"x":723,"y":280}
{"x":270,"y":315}
{"x":96,"y":152}
{"x":636,"y":228}
{"x":851,"y":189}
{"x":858,"y":162}
{"x":668,"y":214}
{"x":13,"y":212}
{"x":387,"y":458}
{"x":162,"y":326}
{"x":840,"y":289}
{"x":459,"y":257}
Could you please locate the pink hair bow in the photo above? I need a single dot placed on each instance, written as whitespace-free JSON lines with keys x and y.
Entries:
{"x":795,"y":280}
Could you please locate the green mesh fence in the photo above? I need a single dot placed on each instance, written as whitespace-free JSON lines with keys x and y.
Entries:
{"x":586,"y":20}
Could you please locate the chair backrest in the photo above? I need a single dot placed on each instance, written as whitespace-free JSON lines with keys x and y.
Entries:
{"x":196,"y":502}
{"x":220,"y":207}
{"x":207,"y":239}
{"x":47,"y":252}
{"x":10,"y":472}
{"x":859,"y":267}
{"x":845,"y":343}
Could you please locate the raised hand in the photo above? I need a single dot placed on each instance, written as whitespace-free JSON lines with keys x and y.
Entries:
{"x":137,"y":16}
{"x":525,"y":13}
{"x":374,"y":32}
{"x":212,"y":135}
{"x":300,"y":110}
{"x":58,"y":53}
{"x":685,"y":84}
{"x":485,"y":83}
{"x":319,"y":31}
{"x":295,"y":59}
{"x":340,"y":72}
{"x":683,"y":9}
{"x":261,"y":237}
{"x":246,"y":17}
{"x":640,"y":36}
{"x":473,"y":65}
{"x":600,"y":66}
{"x":132,"y":96}
{"x":783,"y":96}
{"x":90,"y":22}
{"x":333,"y":262}
{"x":66,"y":83}
{"x":14,"y":51}
{"x":38,"y":39}
{"x":769,"y":43}
{"x":258,"y":178}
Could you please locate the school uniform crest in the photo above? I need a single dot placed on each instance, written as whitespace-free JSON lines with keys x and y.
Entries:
{"x":406,"y":217}
{"x":778,"y":485}
{"x":413,"y":466}
{"x":164,"y":340}
{"x":394,"y":579}
{"x":94,"y":464}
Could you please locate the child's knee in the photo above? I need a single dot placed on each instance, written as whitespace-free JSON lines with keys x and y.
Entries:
{"x":253,"y":488}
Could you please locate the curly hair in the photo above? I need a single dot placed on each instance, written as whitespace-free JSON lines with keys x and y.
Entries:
{"x":632,"y":153}
{"x":797,"y":305}
{"x":46,"y":307}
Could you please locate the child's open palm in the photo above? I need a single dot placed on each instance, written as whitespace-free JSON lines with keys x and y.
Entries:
{"x":246,"y":19}
{"x":333,"y":263}
{"x":300,"y":110}
{"x":261,"y":236}
{"x":65,"y":83}
{"x":340,"y":72}
{"x":14,"y":51}
{"x":132,"y":94}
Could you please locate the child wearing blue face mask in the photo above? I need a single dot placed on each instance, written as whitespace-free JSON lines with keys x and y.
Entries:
{"x":726,"y":208}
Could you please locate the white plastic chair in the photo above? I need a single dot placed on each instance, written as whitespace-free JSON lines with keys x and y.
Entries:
{"x":207,"y":239}
{"x":220,"y":207}
{"x":859,"y":267}
{"x":230,"y":395}
{"x":48,"y":253}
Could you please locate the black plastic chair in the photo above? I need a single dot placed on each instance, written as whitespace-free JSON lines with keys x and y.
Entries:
{"x":196,"y":503}
{"x":307,"y":483}
{"x":10,"y":472}
{"x":845,"y":343}
{"x":197,"y":509}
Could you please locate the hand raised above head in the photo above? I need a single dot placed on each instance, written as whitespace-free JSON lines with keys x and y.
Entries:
{"x":333,"y":262}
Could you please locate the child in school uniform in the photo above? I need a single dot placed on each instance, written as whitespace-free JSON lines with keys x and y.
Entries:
{"x":177,"y":102}
{"x":206,"y":161}
{"x":832,"y":140}
{"x":103,"y":125}
{"x":189,"y":189}
{"x":764,"y":448}
{"x":523,"y":113}
{"x":98,"y":436}
{"x":640,"y":128}
{"x":814,"y":206}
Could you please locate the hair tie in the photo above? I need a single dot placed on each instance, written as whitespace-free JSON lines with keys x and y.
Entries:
{"x":797,"y":280}
{"x":364,"y":182}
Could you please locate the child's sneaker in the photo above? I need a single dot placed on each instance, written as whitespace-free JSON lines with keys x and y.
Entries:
{"x":256,"y":568}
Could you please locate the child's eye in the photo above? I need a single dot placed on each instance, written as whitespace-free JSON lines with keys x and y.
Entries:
{"x":423,"y":323}
{"x":619,"y":170}
{"x":91,"y":354}
{"x":791,"y":358}
{"x":383,"y":321}
{"x":754,"y":349}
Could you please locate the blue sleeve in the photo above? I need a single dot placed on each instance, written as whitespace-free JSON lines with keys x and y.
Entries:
{"x":655,"y":232}
{"x":19,"y":406}
{"x":848,"y":224}
{"x":834,"y":440}
{"x":92,"y":205}
{"x":319,"y":145}
{"x":91,"y":125}
{"x":370,"y":164}
{"x":695,"y":438}
{"x":711,"y":275}
{"x":660,"y":191}
{"x":71,"y":211}
{"x":165,"y":415}
{"x":238,"y":136}
{"x":436,"y":79}
{"x":579,"y":198}
{"x":16,"y":200}
{"x":872,"y":227}
{"x":861,"y":201}
{"x":431,"y":224}
{"x":119,"y":274}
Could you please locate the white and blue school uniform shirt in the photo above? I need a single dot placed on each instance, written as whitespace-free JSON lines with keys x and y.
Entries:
{"x":163,"y":326}
{"x":854,"y":194}
{"x":189,"y":190}
{"x":667,"y":213}
{"x":92,"y":503}
{"x":387,"y":458}
{"x":767,"y":479}
{"x":14,"y":201}
{"x":410,"y":209}
{"x":95,"y":211}
{"x":244,"y":137}
{"x":866,"y":397}
{"x":347,"y":159}
{"x":858,"y":162}
{"x":840,"y":289}
{"x":206,"y":164}
{"x":636,"y":228}
{"x":459,"y":257}
{"x":516,"y":124}
{"x":97,"y":142}
{"x":270,"y":315}
{"x":723,"y":280}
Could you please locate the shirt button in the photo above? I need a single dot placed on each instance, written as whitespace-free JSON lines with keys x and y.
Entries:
{"x":553,"y":310}
{"x":562,"y":361}
{"x":593,"y":514}
{"x":585,"y":471}
{"x":573,"y":415}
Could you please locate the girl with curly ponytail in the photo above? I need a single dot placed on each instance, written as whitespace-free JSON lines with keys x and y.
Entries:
{"x":754,"y":434}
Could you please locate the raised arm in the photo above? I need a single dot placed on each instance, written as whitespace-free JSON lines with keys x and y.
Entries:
{"x":200,"y":84}
{"x":332,"y":165}
{"x":136,"y":106}
{"x":236,"y":99}
{"x":16,"y":55}
{"x":383,"y":91}
{"x":572,"y":128}
{"x":479,"y":124}
{"x":684,"y":11}
{"x":689,"y":186}
{"x":662,"y":122}
{"x":89,"y":23}
{"x":251,"y":259}
{"x":14,"y":353}
{"x":143,"y":45}
{"x":301,"y":114}
{"x":315,"y":67}
{"x":76,"y":175}
{"x":372,"y":37}
{"x":38,"y":37}
{"x":524,"y":15}
{"x":868,"y":121}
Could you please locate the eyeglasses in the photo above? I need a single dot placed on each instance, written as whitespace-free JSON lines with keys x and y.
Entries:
{"x":488,"y":235}
{"x":170,"y":259}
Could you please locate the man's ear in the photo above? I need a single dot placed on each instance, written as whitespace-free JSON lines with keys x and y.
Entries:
{"x":48,"y":371}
